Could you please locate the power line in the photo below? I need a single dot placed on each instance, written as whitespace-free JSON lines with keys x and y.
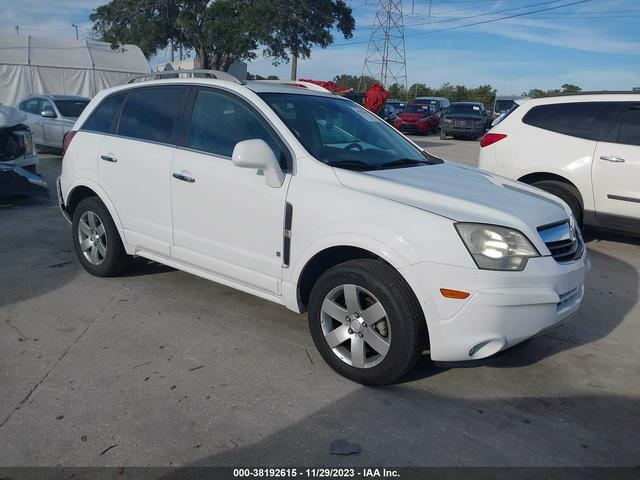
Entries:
{"x":474,"y":23}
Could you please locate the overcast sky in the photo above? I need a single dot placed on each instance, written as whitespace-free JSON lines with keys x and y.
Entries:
{"x":594,"y":44}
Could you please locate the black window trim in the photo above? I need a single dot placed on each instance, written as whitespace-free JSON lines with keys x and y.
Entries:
{"x":619,"y":122}
{"x":115,"y":122}
{"x":183,"y":136}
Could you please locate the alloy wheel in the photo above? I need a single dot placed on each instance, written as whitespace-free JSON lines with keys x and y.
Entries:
{"x":92,"y":238}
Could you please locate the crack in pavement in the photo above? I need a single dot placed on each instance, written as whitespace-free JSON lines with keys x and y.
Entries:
{"x":64,"y":354}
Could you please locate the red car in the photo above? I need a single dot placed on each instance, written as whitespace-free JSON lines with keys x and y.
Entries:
{"x":417,"y":119}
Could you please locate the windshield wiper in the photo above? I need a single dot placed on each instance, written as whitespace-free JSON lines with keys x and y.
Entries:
{"x":352,"y":165}
{"x":405,"y":162}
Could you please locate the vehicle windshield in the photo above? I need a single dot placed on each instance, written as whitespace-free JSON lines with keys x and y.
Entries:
{"x":341,"y":133}
{"x":71,"y":108}
{"x":415,"y":109}
{"x":463,"y":109}
{"x":503,"y":105}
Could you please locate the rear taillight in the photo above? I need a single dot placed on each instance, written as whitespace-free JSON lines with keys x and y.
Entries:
{"x":66,"y":141}
{"x":491,"y":138}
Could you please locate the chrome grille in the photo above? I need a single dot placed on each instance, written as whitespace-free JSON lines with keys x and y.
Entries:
{"x":563,"y":240}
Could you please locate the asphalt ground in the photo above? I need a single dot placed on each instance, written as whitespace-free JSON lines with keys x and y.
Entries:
{"x":159,"y":367}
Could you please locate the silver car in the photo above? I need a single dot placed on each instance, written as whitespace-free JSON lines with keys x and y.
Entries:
{"x":50,"y":117}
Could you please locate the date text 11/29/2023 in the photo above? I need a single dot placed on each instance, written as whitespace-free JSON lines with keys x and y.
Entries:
{"x":315,"y":473}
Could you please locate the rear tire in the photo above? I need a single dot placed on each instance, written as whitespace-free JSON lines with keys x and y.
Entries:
{"x":96,"y":240}
{"x":568,"y":193}
{"x":382,"y":298}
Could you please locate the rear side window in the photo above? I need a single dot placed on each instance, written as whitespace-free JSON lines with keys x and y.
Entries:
{"x":152,"y":113}
{"x":630,"y":128}
{"x":588,"y":120}
{"x":220,"y":121}
{"x":105,"y":116}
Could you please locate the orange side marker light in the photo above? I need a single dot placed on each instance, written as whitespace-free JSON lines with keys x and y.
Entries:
{"x":456,"y":294}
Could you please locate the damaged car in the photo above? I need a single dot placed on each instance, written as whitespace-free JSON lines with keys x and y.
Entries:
{"x":18,"y":157}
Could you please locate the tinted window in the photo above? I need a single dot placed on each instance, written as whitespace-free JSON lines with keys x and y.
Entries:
{"x":48,"y":106}
{"x":151,"y":113}
{"x":220,"y":121}
{"x":630,"y":128}
{"x":503,"y":105}
{"x":104,"y":117}
{"x":589,"y":120}
{"x":71,"y":108}
{"x":415,"y":109}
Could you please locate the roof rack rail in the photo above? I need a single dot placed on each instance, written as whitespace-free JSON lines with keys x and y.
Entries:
{"x":217,"y":74}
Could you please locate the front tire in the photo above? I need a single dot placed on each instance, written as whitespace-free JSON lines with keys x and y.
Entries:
{"x":568,"y":193}
{"x":366,"y":323}
{"x":96,"y":240}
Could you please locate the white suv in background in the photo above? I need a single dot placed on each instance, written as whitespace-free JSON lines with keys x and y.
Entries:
{"x":583,"y":148}
{"x":309,"y":200}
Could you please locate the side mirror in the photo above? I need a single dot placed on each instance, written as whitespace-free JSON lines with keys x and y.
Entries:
{"x":257,"y":154}
{"x":47,"y":114}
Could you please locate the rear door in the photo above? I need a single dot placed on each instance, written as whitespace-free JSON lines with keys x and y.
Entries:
{"x":616,"y":168}
{"x":134,"y":165}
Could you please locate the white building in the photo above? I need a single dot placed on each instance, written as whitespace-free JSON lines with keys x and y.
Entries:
{"x":32,"y":65}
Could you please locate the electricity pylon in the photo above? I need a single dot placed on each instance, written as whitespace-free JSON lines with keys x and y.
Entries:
{"x":385,"y":59}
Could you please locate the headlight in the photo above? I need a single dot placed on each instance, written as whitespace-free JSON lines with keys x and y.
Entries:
{"x":447,"y":120}
{"x":423,"y":119}
{"x":476,"y":122}
{"x":496,"y":248}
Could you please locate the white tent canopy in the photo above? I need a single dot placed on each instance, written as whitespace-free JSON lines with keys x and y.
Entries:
{"x":32,"y":65}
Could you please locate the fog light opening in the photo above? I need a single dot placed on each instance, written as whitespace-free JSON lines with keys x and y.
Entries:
{"x":486,"y":348}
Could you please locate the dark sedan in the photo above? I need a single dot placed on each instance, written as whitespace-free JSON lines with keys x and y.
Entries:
{"x":464,"y":119}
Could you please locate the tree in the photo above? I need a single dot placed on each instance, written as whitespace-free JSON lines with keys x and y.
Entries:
{"x":292,"y":27}
{"x":353,"y":81}
{"x":223,"y":31}
{"x":570,"y":88}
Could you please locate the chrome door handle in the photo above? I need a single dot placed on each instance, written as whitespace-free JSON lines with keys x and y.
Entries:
{"x":183,"y":177}
{"x":109,"y":158}
{"x":612,"y":158}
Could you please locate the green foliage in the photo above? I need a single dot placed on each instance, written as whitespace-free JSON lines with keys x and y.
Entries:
{"x":353,"y":81}
{"x":570,"y":88}
{"x":251,"y":76}
{"x":223,"y":31}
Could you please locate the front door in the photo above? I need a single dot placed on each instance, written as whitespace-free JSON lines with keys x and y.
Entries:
{"x":135,"y":166}
{"x":616,"y":169}
{"x":51,"y":126}
{"x":226,"y":219}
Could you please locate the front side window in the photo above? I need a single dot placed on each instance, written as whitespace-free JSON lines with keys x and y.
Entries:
{"x":47,"y":106}
{"x":340,"y":133}
{"x":31,"y":105}
{"x":630,"y":128}
{"x":220,"y":121}
{"x":104,"y":117}
{"x":588,"y":120}
{"x":71,"y":108}
{"x":152,"y":113}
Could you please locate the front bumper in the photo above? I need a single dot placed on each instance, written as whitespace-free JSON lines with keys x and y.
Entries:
{"x":462,"y":129}
{"x":17,"y":181}
{"x":503,"y":309}
{"x":413,"y":127}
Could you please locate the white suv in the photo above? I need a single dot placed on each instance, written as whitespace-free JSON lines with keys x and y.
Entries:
{"x":583,"y":148}
{"x":309,"y":200}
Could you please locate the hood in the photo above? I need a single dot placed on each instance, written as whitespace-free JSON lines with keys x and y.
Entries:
{"x":460,"y":193}
{"x":10,"y":117}
{"x":412,"y":116}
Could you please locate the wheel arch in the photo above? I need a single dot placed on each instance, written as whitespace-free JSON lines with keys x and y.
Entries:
{"x":532,"y":178}
{"x":86,"y":189}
